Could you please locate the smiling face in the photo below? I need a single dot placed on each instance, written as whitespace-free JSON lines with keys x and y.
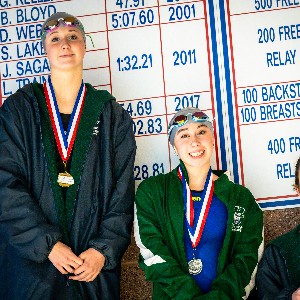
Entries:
{"x":65,"y":48}
{"x":194,"y":144}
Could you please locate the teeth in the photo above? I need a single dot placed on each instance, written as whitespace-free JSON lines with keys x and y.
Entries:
{"x":196,"y":154}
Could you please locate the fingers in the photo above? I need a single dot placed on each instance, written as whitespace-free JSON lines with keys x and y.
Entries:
{"x":61,"y":269}
{"x":84,"y":276}
{"x":68,"y":268}
{"x":69,"y":261}
{"x":92,"y":266}
{"x":86,"y":272}
{"x":76,"y":260}
{"x":64,"y":259}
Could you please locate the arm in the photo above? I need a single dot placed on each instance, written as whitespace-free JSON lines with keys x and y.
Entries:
{"x":22,"y":223}
{"x":156,"y":257}
{"x":116,"y":224}
{"x":272,"y":278}
{"x":236,"y":279}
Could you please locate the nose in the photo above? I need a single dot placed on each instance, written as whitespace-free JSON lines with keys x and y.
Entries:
{"x":194,"y":141}
{"x":65,"y":43}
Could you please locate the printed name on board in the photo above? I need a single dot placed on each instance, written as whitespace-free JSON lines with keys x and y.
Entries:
{"x":39,"y":79}
{"x":30,"y":67}
{"x":23,"y":2}
{"x":3,"y":35}
{"x":29,"y":14}
{"x":278,"y":58}
{"x":3,"y":18}
{"x":3,"y":3}
{"x":4,"y":72}
{"x":31,"y":49}
{"x":5,"y":90}
{"x":26,"y":32}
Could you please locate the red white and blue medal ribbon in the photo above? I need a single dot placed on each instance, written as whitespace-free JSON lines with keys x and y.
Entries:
{"x":195,"y":232}
{"x":64,"y":141}
{"x":188,"y":200}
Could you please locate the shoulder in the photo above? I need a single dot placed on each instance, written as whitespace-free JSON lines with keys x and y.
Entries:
{"x":225,"y":184}
{"x":152,"y":181}
{"x":21,"y":100}
{"x":111,"y":106}
{"x":156,"y":183}
{"x":234,"y":194}
{"x":289,"y":239}
{"x":272,"y":256}
{"x":103,"y":94}
{"x":154,"y":190}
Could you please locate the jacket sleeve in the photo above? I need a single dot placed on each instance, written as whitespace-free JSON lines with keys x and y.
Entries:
{"x":23,"y":225}
{"x":116,"y":225}
{"x":272,"y":280}
{"x":156,"y":258}
{"x":238,"y":278}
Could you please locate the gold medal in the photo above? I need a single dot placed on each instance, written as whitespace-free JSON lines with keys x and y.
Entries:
{"x":65,"y":179}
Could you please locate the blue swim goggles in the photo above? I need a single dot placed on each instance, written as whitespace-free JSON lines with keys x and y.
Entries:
{"x":180,"y":120}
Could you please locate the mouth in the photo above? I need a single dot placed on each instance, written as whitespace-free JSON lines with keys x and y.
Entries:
{"x":66,"y":55}
{"x":196,"y":154}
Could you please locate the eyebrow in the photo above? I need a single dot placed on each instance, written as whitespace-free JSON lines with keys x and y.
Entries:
{"x":56,"y":31}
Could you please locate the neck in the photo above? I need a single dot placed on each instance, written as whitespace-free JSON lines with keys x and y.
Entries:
{"x":66,"y":87}
{"x":197,"y":177}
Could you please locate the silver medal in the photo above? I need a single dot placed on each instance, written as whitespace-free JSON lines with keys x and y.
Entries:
{"x":195,"y":266}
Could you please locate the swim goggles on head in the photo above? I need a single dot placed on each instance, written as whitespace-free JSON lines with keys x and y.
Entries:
{"x":181,"y":120}
{"x":69,"y":21}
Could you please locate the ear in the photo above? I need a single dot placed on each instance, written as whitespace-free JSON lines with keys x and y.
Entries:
{"x":175,"y":151}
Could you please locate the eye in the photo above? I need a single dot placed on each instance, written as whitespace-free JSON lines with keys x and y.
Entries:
{"x":73,"y":37}
{"x":54,"y":39}
{"x":202,"y":131}
{"x":184,"y":136}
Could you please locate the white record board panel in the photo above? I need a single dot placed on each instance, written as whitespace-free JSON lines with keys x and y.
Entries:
{"x":236,"y":60}
{"x":265,"y":36}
